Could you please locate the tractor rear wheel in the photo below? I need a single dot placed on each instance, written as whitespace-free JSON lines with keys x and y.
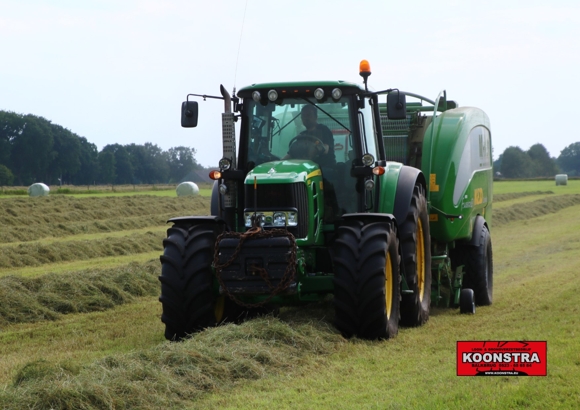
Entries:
{"x":416,"y":250}
{"x":479,"y":269}
{"x":367,"y":280}
{"x":187,"y":297}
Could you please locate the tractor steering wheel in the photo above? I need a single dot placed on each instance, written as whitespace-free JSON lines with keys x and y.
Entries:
{"x":305,"y":146}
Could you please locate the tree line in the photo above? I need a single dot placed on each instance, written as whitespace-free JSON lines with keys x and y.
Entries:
{"x":536,"y":162}
{"x":33,"y":149}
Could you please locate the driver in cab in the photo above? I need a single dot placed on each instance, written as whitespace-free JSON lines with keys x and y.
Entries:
{"x":315,"y":143}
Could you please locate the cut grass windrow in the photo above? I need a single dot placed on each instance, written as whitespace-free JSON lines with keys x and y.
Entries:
{"x":47,"y":297}
{"x":38,"y":253}
{"x":172,"y":375}
{"x":27,"y":219}
{"x":534,"y":209}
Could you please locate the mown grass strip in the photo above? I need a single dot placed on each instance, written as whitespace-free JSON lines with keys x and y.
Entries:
{"x":172,"y":375}
{"x":108,"y":262}
{"x":88,"y":236}
{"x":517,"y":195}
{"x":511,"y":187}
{"x":54,"y":210}
{"x":47,"y":297}
{"x":38,"y":253}
{"x":534,"y":209}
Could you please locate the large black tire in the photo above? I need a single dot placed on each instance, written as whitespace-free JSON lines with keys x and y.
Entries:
{"x":187,"y":297}
{"x":367,"y":280}
{"x":479,"y":268}
{"x":416,"y":250}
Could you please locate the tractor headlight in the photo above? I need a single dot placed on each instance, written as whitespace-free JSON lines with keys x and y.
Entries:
{"x":368,"y":160}
{"x":278,"y":219}
{"x":272,"y":95}
{"x":319,"y":93}
{"x":336,"y":93}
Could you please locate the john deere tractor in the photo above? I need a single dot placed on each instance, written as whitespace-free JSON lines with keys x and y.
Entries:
{"x":381,"y":199}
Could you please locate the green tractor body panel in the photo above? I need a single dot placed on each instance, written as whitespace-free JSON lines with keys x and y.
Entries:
{"x":388,"y":187}
{"x":457,"y":159}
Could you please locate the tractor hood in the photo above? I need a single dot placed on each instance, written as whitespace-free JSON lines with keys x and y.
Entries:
{"x":285,"y":171}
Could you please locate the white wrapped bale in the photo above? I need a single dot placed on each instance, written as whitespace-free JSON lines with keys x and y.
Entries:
{"x":38,"y":189}
{"x":562,"y":179}
{"x":187,"y":189}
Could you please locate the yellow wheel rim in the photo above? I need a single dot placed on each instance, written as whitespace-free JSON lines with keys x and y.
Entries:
{"x":389,"y":285}
{"x":420,"y":254}
{"x":218,"y":310}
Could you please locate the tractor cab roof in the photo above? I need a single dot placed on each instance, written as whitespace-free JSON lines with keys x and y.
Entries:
{"x":300,"y":87}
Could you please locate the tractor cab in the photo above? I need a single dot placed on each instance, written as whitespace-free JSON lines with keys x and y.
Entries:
{"x":329,"y":124}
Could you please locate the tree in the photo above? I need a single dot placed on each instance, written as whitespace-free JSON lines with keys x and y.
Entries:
{"x":32,"y":150}
{"x":89,"y":165}
{"x":542,"y":164}
{"x":516,"y":163}
{"x":107,"y":167}
{"x":569,"y":159}
{"x":181,"y":162}
{"x":66,"y":152}
{"x":123,"y":166}
{"x":150,"y":163}
{"x":6,"y":177}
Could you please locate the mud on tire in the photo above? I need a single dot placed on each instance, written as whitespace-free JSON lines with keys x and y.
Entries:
{"x":367,"y":280}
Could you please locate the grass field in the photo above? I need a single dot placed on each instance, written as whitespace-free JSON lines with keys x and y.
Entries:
{"x":80,"y":328}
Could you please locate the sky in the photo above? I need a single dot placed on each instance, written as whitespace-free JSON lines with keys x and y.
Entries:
{"x":117,"y":71}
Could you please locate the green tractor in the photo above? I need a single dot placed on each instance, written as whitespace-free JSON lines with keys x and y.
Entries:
{"x":381,"y":199}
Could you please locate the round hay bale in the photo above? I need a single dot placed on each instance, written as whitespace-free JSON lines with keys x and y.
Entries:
{"x":562,"y":179}
{"x":38,"y":189}
{"x":187,"y":189}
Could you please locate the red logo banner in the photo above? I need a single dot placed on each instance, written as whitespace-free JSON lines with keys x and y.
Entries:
{"x":502,"y":358}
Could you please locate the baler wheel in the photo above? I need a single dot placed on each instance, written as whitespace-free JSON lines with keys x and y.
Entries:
{"x":479,"y":269}
{"x":466,"y":301}
{"x":415,"y":244}
{"x":367,"y":280}
{"x":187,"y":297}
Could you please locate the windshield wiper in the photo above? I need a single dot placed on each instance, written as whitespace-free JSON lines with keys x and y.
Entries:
{"x":285,"y":125}
{"x":330,"y":116}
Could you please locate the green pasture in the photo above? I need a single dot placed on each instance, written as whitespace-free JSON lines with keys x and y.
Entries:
{"x":85,"y":332}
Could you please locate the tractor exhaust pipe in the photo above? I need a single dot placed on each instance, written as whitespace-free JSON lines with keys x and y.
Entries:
{"x":229,"y":148}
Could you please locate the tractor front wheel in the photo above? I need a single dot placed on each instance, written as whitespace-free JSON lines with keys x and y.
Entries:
{"x":367,"y":280}
{"x":187,"y":297}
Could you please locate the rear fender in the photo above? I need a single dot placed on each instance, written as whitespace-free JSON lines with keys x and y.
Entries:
{"x":190,"y":221}
{"x":409,"y":177}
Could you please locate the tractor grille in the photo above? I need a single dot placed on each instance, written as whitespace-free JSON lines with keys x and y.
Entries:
{"x":279,"y":197}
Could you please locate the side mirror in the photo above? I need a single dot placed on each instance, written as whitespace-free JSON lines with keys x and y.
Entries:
{"x":189,"y":114}
{"x":396,"y":105}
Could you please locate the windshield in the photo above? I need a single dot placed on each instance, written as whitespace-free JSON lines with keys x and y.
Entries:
{"x":318,"y":131}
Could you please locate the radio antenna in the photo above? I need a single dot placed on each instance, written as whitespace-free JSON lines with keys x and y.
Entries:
{"x":240,"y":45}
